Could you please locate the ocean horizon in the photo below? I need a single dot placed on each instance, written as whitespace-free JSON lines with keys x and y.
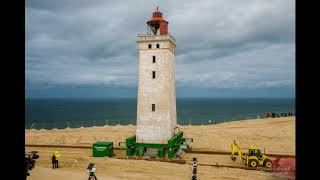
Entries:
{"x":49,"y":113}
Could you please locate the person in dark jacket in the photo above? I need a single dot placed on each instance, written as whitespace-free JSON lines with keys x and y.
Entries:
{"x":53,"y":159}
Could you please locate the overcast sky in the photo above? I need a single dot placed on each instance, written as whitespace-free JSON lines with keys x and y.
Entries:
{"x":225,"y":48}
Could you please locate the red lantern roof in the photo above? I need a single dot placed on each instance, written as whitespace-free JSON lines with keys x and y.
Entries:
{"x":157,"y":22}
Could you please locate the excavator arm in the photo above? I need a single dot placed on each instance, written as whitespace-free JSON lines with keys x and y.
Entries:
{"x":235,"y":148}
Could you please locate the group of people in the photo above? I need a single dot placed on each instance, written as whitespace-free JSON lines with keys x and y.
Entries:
{"x":55,"y":159}
{"x":273,"y":115}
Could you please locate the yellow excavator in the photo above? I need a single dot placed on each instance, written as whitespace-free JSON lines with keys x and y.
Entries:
{"x":253,"y":158}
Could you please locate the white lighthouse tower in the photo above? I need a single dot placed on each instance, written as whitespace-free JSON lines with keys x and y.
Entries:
{"x":156,"y":103}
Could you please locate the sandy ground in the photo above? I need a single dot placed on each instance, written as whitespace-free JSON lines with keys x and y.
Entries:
{"x":276,"y":135}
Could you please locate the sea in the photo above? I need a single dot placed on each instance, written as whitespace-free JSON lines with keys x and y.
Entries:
{"x":62,"y":113}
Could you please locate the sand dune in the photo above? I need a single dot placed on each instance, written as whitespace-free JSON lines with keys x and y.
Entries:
{"x":275,"y":135}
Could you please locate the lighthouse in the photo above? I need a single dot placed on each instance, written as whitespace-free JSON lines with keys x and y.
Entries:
{"x":156,"y":133}
{"x":156,"y":102}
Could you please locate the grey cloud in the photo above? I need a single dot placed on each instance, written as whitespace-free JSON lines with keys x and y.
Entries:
{"x":221,"y":44}
{"x":250,"y":69}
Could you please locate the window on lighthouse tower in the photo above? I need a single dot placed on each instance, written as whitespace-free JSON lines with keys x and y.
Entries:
{"x":153,"y":74}
{"x":153,"y":59}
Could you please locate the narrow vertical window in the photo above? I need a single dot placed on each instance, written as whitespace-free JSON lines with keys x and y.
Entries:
{"x":153,"y":74}
{"x":153,"y":107}
{"x":154,"y":59}
{"x":158,"y":45}
{"x":149,"y":46}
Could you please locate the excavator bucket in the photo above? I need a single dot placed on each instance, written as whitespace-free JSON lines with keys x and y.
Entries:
{"x":233,"y":158}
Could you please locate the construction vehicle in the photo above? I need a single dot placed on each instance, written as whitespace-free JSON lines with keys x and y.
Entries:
{"x":253,"y":158}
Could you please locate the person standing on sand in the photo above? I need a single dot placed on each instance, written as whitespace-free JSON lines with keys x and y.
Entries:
{"x":53,"y":160}
{"x":57,"y":155}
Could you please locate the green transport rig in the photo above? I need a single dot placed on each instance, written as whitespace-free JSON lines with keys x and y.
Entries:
{"x":169,"y":150}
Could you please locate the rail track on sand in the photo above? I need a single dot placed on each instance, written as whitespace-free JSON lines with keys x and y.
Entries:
{"x":193,"y":151}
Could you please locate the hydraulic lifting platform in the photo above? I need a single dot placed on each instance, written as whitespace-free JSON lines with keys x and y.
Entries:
{"x":169,"y":150}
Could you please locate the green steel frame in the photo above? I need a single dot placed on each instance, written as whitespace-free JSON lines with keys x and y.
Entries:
{"x":174,"y":144}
